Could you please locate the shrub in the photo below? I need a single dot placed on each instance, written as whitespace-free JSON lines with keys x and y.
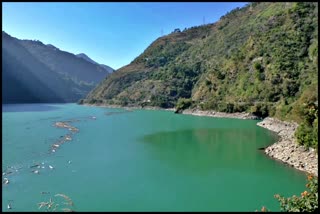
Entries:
{"x":308,"y":202}
{"x":260,"y":109}
{"x":182,"y":104}
{"x":161,"y":101}
{"x":81,"y":101}
{"x":229,"y":108}
{"x":257,"y":66}
{"x":307,"y":132}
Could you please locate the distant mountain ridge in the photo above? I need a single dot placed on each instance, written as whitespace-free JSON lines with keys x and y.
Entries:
{"x":33,"y":72}
{"x":84,"y":56}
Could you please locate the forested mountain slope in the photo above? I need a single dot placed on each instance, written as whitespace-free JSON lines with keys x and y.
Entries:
{"x":262,"y":58}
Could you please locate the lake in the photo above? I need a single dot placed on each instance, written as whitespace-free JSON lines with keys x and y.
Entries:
{"x":139,"y":160}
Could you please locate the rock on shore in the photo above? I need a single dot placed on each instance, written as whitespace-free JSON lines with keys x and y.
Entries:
{"x":287,"y":150}
{"x":241,"y":115}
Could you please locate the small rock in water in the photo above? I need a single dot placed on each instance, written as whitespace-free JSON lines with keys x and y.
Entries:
{"x":6,"y":180}
{"x":45,"y":192}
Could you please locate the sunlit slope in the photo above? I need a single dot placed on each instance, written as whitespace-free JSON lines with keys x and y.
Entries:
{"x":259,"y":58}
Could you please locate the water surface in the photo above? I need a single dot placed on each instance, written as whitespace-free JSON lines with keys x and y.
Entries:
{"x":141,"y":160}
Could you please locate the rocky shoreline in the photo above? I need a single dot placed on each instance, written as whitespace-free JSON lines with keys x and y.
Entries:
{"x":238,"y":115}
{"x":286,"y":149}
{"x":129,"y":107}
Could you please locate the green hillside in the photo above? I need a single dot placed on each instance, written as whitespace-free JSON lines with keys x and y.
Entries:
{"x":262,"y":58}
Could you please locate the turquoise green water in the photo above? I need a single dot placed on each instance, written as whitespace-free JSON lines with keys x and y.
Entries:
{"x":141,"y":161}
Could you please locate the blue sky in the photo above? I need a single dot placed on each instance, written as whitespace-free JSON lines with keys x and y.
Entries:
{"x":109,"y":33}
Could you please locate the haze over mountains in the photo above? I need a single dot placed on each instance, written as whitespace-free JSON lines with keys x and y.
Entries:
{"x":84,"y":56}
{"x":33,"y":72}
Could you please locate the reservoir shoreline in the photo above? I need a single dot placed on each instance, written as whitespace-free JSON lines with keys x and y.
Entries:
{"x":285,"y":149}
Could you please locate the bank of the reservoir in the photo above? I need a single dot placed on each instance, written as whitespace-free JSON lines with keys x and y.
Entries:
{"x":238,"y":115}
{"x":285,"y":149}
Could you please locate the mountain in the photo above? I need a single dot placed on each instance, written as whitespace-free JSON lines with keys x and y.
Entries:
{"x":262,"y":58}
{"x":107,"y":68}
{"x":33,"y":72}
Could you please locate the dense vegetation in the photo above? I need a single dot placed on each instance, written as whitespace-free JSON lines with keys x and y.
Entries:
{"x":34,"y":73}
{"x":307,"y":202}
{"x":262,"y":58}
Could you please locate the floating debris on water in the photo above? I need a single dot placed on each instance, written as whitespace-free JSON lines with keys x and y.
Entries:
{"x":65,"y":138}
{"x":5,"y":181}
{"x":68,"y":138}
{"x":45,"y":192}
{"x":73,"y":129}
{"x":55,"y":145}
{"x":36,"y":171}
{"x":66,"y":125}
{"x":69,"y":162}
{"x":6,"y":173}
{"x":51,"y":167}
{"x":61,"y":125}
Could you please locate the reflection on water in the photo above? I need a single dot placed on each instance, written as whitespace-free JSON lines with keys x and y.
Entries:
{"x":208,"y":149}
{"x":28,"y":107}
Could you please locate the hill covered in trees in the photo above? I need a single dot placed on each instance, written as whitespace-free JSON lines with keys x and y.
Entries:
{"x":262,"y":58}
